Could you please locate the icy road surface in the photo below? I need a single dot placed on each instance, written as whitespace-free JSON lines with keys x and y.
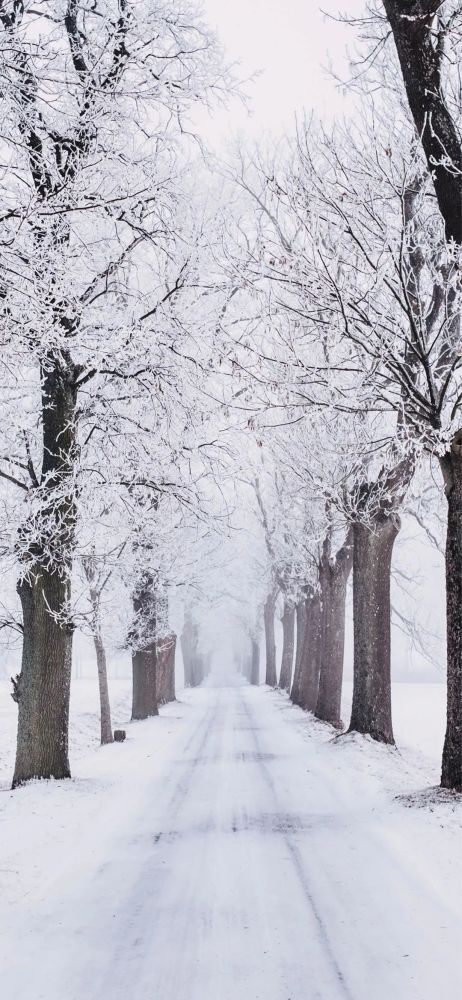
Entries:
{"x":245,"y":860}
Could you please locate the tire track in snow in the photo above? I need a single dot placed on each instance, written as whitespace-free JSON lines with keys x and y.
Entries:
{"x":261,"y":758}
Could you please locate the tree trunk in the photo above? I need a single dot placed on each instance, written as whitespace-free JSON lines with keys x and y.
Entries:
{"x":372,"y":553}
{"x":255,"y":663}
{"x":144,"y":665}
{"x":310,"y":661}
{"x":301,"y":622}
{"x":288,"y":644}
{"x":144,"y":702}
{"x":170,"y":689}
{"x":420,"y":57}
{"x":270,"y":642}
{"x":451,"y":772}
{"x":334,"y":579}
{"x":185,"y":641}
{"x":44,"y":683}
{"x":192,"y":661}
{"x":95,"y":588}
{"x":104,"y":703}
{"x":166,"y":669}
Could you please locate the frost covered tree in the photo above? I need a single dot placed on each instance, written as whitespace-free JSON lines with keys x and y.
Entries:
{"x":428,"y":42}
{"x":97,"y":576}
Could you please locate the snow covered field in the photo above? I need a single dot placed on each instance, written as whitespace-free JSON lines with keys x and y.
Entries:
{"x":230,"y":849}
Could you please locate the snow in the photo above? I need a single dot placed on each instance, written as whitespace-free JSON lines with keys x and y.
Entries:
{"x":232,"y":849}
{"x":419,"y":717}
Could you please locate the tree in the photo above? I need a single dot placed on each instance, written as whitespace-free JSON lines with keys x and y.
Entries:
{"x":192,"y":658}
{"x":97,"y":579}
{"x":305,"y":689}
{"x":165,"y":652}
{"x":301,"y":619}
{"x":143,"y":639}
{"x":255,"y":662}
{"x":288,"y":646}
{"x":427,"y":38}
{"x":270,"y":639}
{"x":334,"y":571}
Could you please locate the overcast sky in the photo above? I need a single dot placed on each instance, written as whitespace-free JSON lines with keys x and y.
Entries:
{"x":290,"y":42}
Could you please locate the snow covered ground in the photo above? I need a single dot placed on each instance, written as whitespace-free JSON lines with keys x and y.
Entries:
{"x":231,"y":849}
{"x":419,"y":717}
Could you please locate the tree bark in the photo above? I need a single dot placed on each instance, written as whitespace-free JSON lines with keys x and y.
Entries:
{"x":166,"y":669}
{"x":270,"y":642}
{"x":255,"y":663}
{"x":311,"y":653}
{"x":451,"y":772}
{"x":301,"y":622}
{"x":372,"y":554}
{"x":45,"y":679}
{"x":144,"y":658}
{"x":288,"y":645}
{"x":104,"y":703}
{"x":421,"y":59}
{"x":334,"y":579}
{"x":144,"y":701}
{"x":44,"y":682}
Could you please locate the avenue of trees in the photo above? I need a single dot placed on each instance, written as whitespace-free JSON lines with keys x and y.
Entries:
{"x":221,"y":383}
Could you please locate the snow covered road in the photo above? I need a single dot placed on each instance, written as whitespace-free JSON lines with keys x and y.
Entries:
{"x":253,"y":859}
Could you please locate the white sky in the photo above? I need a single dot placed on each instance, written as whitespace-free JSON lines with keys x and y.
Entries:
{"x":290,"y":43}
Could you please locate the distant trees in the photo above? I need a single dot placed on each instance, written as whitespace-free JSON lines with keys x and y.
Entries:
{"x":193,"y":661}
{"x":321,"y":554}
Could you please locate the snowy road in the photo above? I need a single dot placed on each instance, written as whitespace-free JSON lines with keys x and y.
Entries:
{"x":246,"y":867}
